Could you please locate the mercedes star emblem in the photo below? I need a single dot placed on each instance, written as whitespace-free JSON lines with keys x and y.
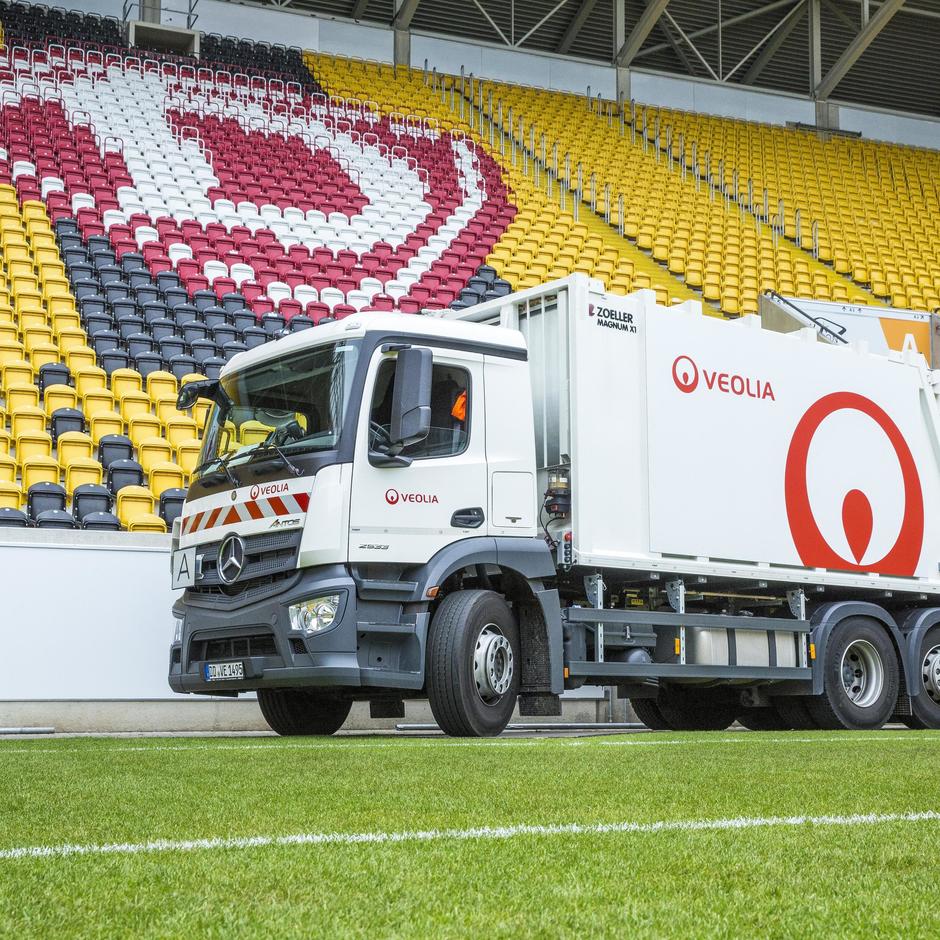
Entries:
{"x":231,"y":559}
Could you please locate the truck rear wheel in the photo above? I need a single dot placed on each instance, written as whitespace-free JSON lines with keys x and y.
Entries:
{"x":926,"y":705}
{"x":696,"y":709}
{"x":292,"y":712}
{"x":472,"y":664}
{"x":861,"y":675}
{"x":648,"y":712}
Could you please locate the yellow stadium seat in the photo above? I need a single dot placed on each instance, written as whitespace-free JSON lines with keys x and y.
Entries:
{"x":145,"y":522}
{"x":134,"y":404}
{"x":165,"y":476}
{"x":59,"y":396}
{"x":141,"y":427}
{"x":180,"y":429}
{"x":28,"y":420}
{"x":33,"y":444}
{"x":98,"y":399}
{"x":82,"y":470}
{"x":253,"y":432}
{"x":74,"y":445}
{"x":7,"y":469}
{"x":124,"y":381}
{"x":89,"y":378}
{"x":187,"y":455}
{"x":11,"y":496}
{"x":43,"y":354}
{"x":21,"y":396}
{"x":39,"y":470}
{"x":133,"y":501}
{"x":80,"y":357}
{"x":16,"y":372}
{"x":161,"y":384}
{"x":105,"y":422}
{"x":153,"y":450}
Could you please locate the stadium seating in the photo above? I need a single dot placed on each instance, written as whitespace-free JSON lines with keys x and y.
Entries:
{"x":712,"y":242}
{"x":868,"y":208}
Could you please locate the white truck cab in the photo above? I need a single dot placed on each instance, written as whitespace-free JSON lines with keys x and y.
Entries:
{"x":489,"y":506}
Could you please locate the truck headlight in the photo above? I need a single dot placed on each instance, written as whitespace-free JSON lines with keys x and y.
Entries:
{"x":314,"y":615}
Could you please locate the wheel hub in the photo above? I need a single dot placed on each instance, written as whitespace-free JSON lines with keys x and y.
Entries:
{"x":930,"y":674}
{"x":492,"y":664}
{"x":862,"y":673}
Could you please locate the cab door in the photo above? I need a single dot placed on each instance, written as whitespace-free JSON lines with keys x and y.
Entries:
{"x":407,"y":514}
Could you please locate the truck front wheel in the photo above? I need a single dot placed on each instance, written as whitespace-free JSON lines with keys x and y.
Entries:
{"x":473,"y":664}
{"x":862,"y":677}
{"x":303,"y":711}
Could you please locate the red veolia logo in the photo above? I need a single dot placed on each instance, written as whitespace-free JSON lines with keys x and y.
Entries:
{"x":391,"y":497}
{"x":857,"y":512}
{"x":685,"y":374}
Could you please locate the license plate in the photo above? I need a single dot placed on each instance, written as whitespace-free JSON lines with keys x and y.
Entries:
{"x":217,"y":671}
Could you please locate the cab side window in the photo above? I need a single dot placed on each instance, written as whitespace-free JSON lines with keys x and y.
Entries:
{"x":450,"y":410}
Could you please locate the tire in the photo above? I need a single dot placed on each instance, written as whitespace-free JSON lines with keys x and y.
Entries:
{"x":472,"y":664}
{"x":292,"y":712}
{"x":792,"y":709}
{"x":861,"y":676}
{"x":766,"y":718}
{"x":648,"y":712}
{"x":697,"y":710}
{"x":926,"y":705}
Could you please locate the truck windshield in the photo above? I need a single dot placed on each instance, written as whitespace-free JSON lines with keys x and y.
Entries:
{"x":297,"y":403}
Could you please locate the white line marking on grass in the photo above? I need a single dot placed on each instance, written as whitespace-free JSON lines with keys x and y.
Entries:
{"x":340,"y":746}
{"x":434,"y":835}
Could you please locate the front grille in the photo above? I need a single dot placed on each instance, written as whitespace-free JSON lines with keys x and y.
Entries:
{"x":223,"y":598}
{"x":209,"y":649}
{"x":266,"y":555}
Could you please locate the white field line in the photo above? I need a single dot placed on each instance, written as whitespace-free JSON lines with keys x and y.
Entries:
{"x":435,"y":835}
{"x":18,"y":748}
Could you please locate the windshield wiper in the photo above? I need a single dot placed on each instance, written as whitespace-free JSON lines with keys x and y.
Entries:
{"x":224,"y":467}
{"x":269,"y":448}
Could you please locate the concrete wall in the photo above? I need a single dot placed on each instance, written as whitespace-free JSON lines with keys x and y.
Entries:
{"x":86,"y":632}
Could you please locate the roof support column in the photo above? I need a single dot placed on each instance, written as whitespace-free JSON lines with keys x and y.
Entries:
{"x":620,"y":35}
{"x":401,"y":31}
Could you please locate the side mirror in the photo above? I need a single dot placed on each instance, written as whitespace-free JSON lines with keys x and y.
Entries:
{"x":190,"y":393}
{"x":411,"y":398}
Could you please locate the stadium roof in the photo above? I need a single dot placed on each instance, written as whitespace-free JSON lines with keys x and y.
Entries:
{"x":873,"y":52}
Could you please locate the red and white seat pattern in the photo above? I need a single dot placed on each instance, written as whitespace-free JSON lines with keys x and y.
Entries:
{"x":301,"y":203}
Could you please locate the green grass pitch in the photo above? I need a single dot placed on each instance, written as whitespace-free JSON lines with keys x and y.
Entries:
{"x":809,"y":879}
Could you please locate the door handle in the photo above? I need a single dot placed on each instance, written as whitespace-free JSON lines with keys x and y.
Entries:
{"x":467,"y":518}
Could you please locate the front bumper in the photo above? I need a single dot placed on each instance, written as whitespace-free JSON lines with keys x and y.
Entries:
{"x":372,"y":644}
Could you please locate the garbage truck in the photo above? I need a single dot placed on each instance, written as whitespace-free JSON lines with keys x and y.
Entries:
{"x":720,"y":520}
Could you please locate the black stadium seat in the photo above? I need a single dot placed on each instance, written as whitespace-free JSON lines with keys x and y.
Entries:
{"x":90,"y":498}
{"x":104,"y":521}
{"x":13,"y":518}
{"x":43,"y":497}
{"x":55,"y":519}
